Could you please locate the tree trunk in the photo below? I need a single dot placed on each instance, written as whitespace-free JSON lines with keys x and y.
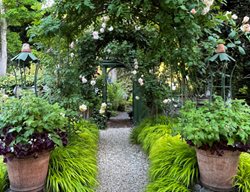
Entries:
{"x":3,"y":34}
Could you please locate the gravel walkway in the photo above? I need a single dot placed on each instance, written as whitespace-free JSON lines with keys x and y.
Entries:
{"x":122,"y":166}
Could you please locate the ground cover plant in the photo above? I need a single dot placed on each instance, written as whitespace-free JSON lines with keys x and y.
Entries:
{"x":173,"y":163}
{"x":74,"y":168}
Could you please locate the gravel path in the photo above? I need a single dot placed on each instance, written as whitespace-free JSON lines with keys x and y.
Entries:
{"x":122,"y":166}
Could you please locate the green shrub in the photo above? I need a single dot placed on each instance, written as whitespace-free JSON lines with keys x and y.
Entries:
{"x":161,"y":120}
{"x":151,"y":134}
{"x":173,"y":165}
{"x":242,"y":180}
{"x":3,"y":176}
{"x":74,"y":168}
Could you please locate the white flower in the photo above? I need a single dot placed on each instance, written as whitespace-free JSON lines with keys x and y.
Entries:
{"x":142,"y":76}
{"x":105,"y":18}
{"x":104,"y":106}
{"x":175,"y":105}
{"x":72,"y":55}
{"x":5,"y":97}
{"x":136,"y":66}
{"x":101,"y":111}
{"x":108,"y":50}
{"x":95,"y":35}
{"x":245,"y":19}
{"x":104,"y":25}
{"x":245,"y":28}
{"x":134,"y":72}
{"x":72,"y":44}
{"x":92,"y":82}
{"x":83,"y":108}
{"x":137,"y":28}
{"x":234,"y":16}
{"x":205,"y":10}
{"x":173,"y":87}
{"x":166,"y":101}
{"x":193,"y":11}
{"x":151,"y":71}
{"x":137,"y":97}
{"x":110,"y":28}
{"x":135,"y":61}
{"x":208,"y":3}
{"x":62,"y":114}
{"x":102,"y":30}
{"x":140,"y":81}
{"x":84,"y":80}
{"x":229,"y":13}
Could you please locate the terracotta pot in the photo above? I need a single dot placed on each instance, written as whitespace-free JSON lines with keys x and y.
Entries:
{"x":217,"y":172}
{"x":220,"y":48}
{"x":28,"y":174}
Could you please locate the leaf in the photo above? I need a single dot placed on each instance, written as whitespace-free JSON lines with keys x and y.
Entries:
{"x":214,"y":57}
{"x":232,"y":34}
{"x":231,"y":45}
{"x":230,"y":141}
{"x":89,"y":4}
{"x":242,"y":50}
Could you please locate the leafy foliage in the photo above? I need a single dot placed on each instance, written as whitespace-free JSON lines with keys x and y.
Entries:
{"x":216,"y":125}
{"x":117,"y":96}
{"x":74,"y":168}
{"x":242,"y":180}
{"x":173,"y":165}
{"x":3,"y":176}
{"x":29,"y":125}
{"x":147,"y":122}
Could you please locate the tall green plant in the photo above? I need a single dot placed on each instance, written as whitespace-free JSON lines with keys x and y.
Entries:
{"x":74,"y":168}
{"x":173,"y":165}
{"x":242,"y":180}
{"x":3,"y":176}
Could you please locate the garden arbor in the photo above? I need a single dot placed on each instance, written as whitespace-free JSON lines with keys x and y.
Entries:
{"x":139,"y":109}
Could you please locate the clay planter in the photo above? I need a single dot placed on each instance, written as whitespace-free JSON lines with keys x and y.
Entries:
{"x":28,"y":174}
{"x":217,"y":172}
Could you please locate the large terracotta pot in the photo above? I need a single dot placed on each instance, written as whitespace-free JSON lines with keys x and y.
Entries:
{"x":217,"y":172}
{"x":28,"y":174}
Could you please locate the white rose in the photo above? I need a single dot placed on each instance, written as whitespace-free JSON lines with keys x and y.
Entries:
{"x":136,"y":67}
{"x":166,"y":101}
{"x":5,"y":97}
{"x":234,"y":16}
{"x":140,"y":81}
{"x":101,"y":111}
{"x":104,"y":25}
{"x":104,"y":106}
{"x":245,"y":19}
{"x":92,"y":82}
{"x":95,"y":35}
{"x":105,"y":18}
{"x":109,"y":50}
{"x":137,"y":97}
{"x":134,"y":72}
{"x":72,"y":55}
{"x":83,"y":108}
{"x":245,"y":28}
{"x":84,"y":80}
{"x":102,"y":30}
{"x":110,"y":28}
{"x":205,"y":10}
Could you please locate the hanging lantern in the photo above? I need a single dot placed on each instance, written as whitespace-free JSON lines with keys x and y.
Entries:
{"x":22,"y":61}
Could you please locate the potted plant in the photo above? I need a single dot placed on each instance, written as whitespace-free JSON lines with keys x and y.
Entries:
{"x":30,"y":128}
{"x":219,"y":131}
